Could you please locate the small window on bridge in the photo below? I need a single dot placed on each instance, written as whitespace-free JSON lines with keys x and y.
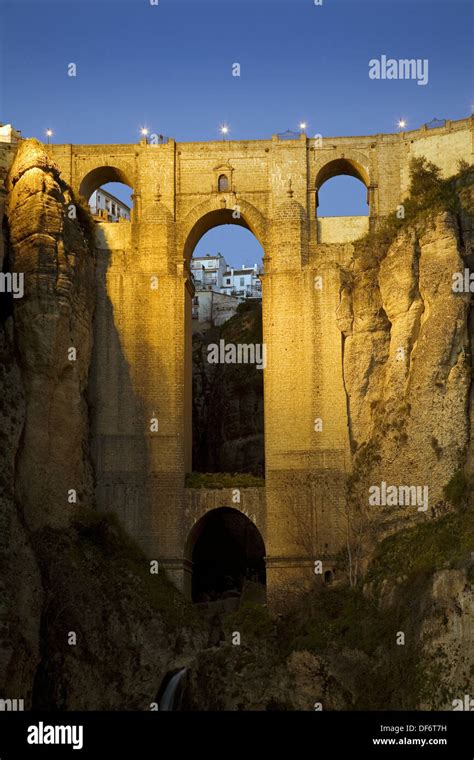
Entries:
{"x":223,"y":183}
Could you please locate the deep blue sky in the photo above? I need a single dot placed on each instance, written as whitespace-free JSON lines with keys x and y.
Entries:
{"x":169,"y":67}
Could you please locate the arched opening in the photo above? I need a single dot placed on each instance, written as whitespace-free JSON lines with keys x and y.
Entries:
{"x":343,"y":196}
{"x":224,"y":342}
{"x":342,"y":190}
{"x":109,"y":194}
{"x":328,"y":576}
{"x":223,"y":183}
{"x":227,"y":553}
{"x":342,"y":201}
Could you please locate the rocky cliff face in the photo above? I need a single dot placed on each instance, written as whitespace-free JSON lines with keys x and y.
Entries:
{"x":44,"y":430}
{"x":81,"y":625}
{"x":228,"y":400}
{"x":405,"y":644}
{"x":83,"y":622}
{"x":408,"y":363}
{"x":52,"y":333}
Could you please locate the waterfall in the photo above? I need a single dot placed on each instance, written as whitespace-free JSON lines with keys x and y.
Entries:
{"x":173,"y":691}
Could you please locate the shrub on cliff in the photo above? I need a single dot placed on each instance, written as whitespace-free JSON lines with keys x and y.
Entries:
{"x":428,"y":192}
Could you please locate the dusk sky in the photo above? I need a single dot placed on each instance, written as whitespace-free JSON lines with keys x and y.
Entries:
{"x":169,"y":67}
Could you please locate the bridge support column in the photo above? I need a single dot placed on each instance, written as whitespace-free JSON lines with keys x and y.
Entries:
{"x":306,"y":433}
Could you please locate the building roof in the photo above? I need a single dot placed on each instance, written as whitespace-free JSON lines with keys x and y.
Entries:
{"x":207,"y":257}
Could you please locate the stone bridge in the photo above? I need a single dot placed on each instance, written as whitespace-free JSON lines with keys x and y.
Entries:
{"x":140,"y":391}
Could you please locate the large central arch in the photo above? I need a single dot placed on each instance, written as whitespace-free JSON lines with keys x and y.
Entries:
{"x":221,"y":209}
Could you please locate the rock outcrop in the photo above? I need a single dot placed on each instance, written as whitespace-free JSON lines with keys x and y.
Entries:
{"x":52,"y":333}
{"x":83,"y":624}
{"x":408,"y":364}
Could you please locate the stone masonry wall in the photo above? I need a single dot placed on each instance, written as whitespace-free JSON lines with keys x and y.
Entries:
{"x":142,"y":369}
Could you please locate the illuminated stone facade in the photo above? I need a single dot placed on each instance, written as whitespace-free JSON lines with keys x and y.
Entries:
{"x":140,"y":389}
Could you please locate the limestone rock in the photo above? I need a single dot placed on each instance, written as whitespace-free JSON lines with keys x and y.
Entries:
{"x":406,"y":368}
{"x":448,"y":632}
{"x":52,"y":320}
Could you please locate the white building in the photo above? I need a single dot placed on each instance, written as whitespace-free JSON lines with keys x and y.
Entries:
{"x":9,"y":134}
{"x":244,"y":282}
{"x":208,"y":272}
{"x":213,"y":273}
{"x":212,"y":309}
{"x":220,"y":288}
{"x":107,"y":207}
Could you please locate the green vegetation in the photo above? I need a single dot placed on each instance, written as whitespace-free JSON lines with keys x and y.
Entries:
{"x":244,"y":328}
{"x":246,"y":324}
{"x":428,"y":193}
{"x":457,"y":490}
{"x":335,"y":617}
{"x":103,"y":532}
{"x":252,"y":621}
{"x":338,"y":621}
{"x":425,"y":548}
{"x":341,"y":624}
{"x":223,"y":480}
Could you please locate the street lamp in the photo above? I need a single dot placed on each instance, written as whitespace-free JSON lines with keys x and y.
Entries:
{"x":224,"y":130}
{"x":49,"y":134}
{"x":303,"y":126}
{"x":402,"y":124}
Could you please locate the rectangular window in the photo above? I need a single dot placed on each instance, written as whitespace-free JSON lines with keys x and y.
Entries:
{"x":241,"y":281}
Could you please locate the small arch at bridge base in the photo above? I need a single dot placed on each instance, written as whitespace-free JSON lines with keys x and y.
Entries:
{"x":227,"y":557}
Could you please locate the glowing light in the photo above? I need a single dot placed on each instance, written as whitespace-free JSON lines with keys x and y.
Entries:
{"x":224,"y":129}
{"x":402,"y":124}
{"x":144,"y":131}
{"x":303,"y":125}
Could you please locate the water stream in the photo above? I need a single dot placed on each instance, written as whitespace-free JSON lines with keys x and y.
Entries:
{"x":173,"y":691}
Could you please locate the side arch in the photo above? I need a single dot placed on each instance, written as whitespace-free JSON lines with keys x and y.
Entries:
{"x":352,"y":165}
{"x":342,"y":166}
{"x":101,"y":175}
